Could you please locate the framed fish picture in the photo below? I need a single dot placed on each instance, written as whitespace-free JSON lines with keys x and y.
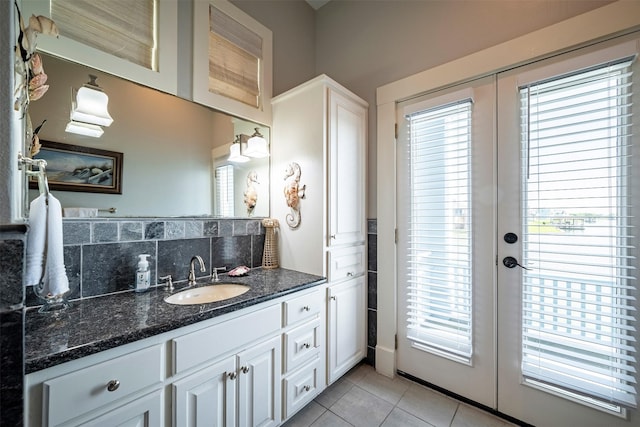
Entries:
{"x":75,"y":168}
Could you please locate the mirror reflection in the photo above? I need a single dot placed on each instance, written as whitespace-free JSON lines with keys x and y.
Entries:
{"x":175,"y":152}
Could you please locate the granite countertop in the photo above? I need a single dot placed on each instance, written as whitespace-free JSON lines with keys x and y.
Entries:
{"x":98,"y":324}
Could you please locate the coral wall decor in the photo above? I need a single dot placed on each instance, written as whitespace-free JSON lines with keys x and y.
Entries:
{"x":293,"y":192}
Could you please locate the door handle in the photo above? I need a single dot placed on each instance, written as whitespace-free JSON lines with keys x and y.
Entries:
{"x":511,"y":262}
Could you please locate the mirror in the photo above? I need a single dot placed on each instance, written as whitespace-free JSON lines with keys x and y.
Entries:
{"x":173,"y":149}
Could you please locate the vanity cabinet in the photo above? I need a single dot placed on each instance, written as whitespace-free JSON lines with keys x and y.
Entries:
{"x":253,"y":367}
{"x":248,"y":381}
{"x":207,"y":397}
{"x":321,"y":127}
{"x":110,"y":387}
{"x":346,"y":336}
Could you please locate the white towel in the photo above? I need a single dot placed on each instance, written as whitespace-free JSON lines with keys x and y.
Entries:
{"x":45,"y":234}
{"x":80,"y":212}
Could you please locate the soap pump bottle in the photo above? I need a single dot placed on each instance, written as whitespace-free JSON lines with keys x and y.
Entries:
{"x":143,"y":275}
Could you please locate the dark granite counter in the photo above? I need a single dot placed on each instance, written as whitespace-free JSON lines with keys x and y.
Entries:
{"x":98,"y":324}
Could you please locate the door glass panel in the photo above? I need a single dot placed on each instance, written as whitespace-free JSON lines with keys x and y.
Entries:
{"x":577,"y":293}
{"x":438,"y":256}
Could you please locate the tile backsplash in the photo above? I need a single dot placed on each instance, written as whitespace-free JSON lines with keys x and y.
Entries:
{"x":372,"y":291}
{"x":101,"y":255}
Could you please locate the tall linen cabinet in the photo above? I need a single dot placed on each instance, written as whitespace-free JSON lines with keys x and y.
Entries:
{"x":321,"y":126}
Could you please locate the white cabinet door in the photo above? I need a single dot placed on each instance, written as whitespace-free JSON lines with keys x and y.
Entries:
{"x":346,"y":326}
{"x":208,"y":397}
{"x":259,"y":376}
{"x":347,"y":156}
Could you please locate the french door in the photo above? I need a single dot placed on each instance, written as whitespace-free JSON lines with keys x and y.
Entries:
{"x":517,"y":239}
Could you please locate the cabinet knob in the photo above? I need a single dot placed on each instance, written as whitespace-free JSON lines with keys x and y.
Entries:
{"x":333,"y":236}
{"x":232,"y":375}
{"x":113,"y":385}
{"x":306,"y":345}
{"x":307,"y":388}
{"x":349,"y":274}
{"x":333,"y":297}
{"x":244,"y":369}
{"x":306,"y":308}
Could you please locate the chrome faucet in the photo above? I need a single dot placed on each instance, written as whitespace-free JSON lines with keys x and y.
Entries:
{"x":192,"y":273}
{"x":214,"y":273}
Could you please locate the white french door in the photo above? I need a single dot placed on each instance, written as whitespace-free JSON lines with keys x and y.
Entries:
{"x":568,"y":180}
{"x":518,"y":241}
{"x":446,"y":240}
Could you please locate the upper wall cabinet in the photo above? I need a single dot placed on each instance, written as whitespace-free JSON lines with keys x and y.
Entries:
{"x":232,"y":61}
{"x":136,"y":40}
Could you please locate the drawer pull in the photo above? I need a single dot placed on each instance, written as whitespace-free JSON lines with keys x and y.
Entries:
{"x":244,"y":369}
{"x":349,"y":274}
{"x":232,"y":375}
{"x":306,"y":388}
{"x":306,"y":308}
{"x":113,"y":385}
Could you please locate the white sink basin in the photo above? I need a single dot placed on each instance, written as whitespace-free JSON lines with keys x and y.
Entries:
{"x":205,"y":294}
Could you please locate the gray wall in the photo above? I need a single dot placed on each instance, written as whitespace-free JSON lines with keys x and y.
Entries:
{"x":293,"y":25}
{"x":364,"y":44}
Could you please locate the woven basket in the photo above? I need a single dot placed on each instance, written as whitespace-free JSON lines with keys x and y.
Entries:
{"x":270,"y":254}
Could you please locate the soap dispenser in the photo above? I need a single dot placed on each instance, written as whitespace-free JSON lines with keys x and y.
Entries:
{"x":143,"y":275}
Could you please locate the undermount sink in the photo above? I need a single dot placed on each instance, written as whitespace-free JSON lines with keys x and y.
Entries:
{"x":206,"y":294}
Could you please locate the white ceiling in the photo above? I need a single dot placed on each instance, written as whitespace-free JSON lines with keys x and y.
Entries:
{"x":317,"y":4}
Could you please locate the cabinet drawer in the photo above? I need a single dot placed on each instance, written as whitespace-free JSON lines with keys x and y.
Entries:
{"x":301,"y":344}
{"x":346,"y":263}
{"x":210,"y":343}
{"x":300,"y":388}
{"x":74,"y":394}
{"x":302,"y":308}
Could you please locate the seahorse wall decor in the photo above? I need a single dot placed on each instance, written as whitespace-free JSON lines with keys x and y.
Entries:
{"x":251,"y":194}
{"x":293,"y":192}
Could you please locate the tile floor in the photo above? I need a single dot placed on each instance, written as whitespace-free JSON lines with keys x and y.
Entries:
{"x":365,"y":398}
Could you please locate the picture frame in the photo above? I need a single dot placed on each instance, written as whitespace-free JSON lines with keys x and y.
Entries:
{"x":76,"y":168}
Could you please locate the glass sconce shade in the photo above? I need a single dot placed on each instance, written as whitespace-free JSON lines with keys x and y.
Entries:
{"x":84,"y":129}
{"x":90,"y":106}
{"x":235,"y":154}
{"x":257,"y":146}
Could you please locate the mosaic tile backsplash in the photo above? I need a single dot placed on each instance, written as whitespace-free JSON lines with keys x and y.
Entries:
{"x":101,"y":255}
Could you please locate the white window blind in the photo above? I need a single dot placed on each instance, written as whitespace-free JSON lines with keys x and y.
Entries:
{"x":224,"y":191}
{"x":438,"y":257}
{"x":123,"y":28}
{"x":235,"y":54}
{"x":578,"y":304}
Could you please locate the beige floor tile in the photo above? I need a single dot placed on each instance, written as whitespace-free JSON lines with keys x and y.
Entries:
{"x":306,"y":416}
{"x":428,"y":405}
{"x":400,"y":418}
{"x":468,"y":416}
{"x":386,"y":388}
{"x":329,"y":419}
{"x":359,"y":372}
{"x":361,"y":408}
{"x":334,"y":392}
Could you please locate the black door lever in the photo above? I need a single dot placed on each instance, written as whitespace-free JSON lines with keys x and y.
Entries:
{"x":511,"y":262}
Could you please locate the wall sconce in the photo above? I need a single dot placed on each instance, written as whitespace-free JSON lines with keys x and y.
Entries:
{"x":235,"y":152}
{"x":85,"y":129}
{"x":89,"y":110}
{"x":257,"y":146}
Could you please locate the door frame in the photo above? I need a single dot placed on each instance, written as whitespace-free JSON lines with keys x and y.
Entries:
{"x":607,"y":22}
